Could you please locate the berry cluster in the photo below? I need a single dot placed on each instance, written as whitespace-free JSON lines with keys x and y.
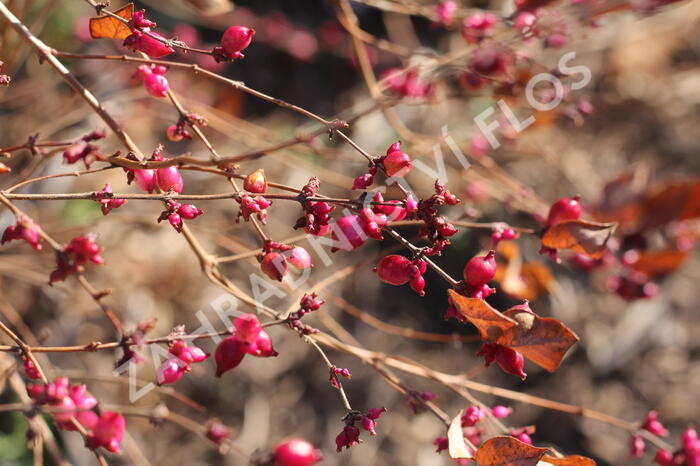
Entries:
{"x":107,"y":202}
{"x":176,"y":212}
{"x":154,"y":80}
{"x":687,"y":455}
{"x":275,"y":256}
{"x":82,"y":149}
{"x":105,"y":429}
{"x":248,"y":338}
{"x":350,"y":435}
{"x":316,"y":219}
{"x":308,"y":303}
{"x":178,"y":364}
{"x":25,"y":230}
{"x":436,"y":228}
{"x":80,"y":251}
{"x":394,"y":163}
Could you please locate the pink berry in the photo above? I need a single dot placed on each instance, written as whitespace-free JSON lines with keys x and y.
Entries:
{"x":142,"y":42}
{"x":394,"y":269}
{"x":247,"y":327}
{"x":299,"y":258}
{"x":261,"y":346}
{"x":471,"y":416}
{"x":480,"y":270}
{"x":236,"y":39}
{"x":397,"y":163}
{"x":169,"y":178}
{"x":445,"y":12}
{"x":567,"y":208}
{"x":229,"y":354}
{"x":108,"y":432}
{"x":296,"y":452}
{"x":348,"y":233}
{"x":637,"y":446}
{"x":189,"y":211}
{"x":170,"y":371}
{"x":500,"y":412}
{"x":653,"y":425}
{"x":145,"y":179}
{"x":418,"y":284}
{"x":218,"y":433}
{"x":664,"y":458}
{"x":274,"y":265}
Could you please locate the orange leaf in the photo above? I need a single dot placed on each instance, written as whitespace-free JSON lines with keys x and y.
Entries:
{"x":507,"y":451}
{"x":573,"y":460}
{"x":587,"y":238}
{"x":112,"y":28}
{"x":490,"y":322}
{"x":669,"y":202}
{"x":656,"y":263}
{"x":543,"y":340}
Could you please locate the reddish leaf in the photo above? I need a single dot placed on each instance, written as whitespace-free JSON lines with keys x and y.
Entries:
{"x":112,"y":28}
{"x":587,"y":238}
{"x":543,"y":340}
{"x":658,"y":263}
{"x":573,"y":460}
{"x":490,"y":322}
{"x":508,"y":451}
{"x":669,"y":202}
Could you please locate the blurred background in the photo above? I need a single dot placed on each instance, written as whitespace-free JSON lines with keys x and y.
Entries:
{"x":634,"y":354}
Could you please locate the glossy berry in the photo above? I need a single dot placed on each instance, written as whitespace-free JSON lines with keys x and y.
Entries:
{"x":107,"y":432}
{"x":348,"y":233}
{"x":145,"y":179}
{"x":236,"y":39}
{"x":299,"y":258}
{"x":154,"y":80}
{"x":471,"y":416}
{"x":637,"y":446}
{"x":255,"y":182}
{"x":567,"y":208}
{"x":142,"y":42}
{"x":274,"y":265}
{"x":169,"y":178}
{"x":653,"y":425}
{"x":169,"y":371}
{"x":397,"y":163}
{"x":480,"y":270}
{"x":499,"y":411}
{"x":394,"y":269}
{"x":229,"y":354}
{"x":511,"y":361}
{"x":296,"y":452}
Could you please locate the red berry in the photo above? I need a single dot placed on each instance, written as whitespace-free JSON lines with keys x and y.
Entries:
{"x":247,"y":327}
{"x":174,"y":133}
{"x":296,"y":452}
{"x":348,"y":233}
{"x":566,"y":208}
{"x":394,"y":269}
{"x":299,"y":258}
{"x":169,"y":178}
{"x":480,"y":270}
{"x":397,"y":163}
{"x":228,"y":354}
{"x":235,"y":39}
{"x":274,"y":266}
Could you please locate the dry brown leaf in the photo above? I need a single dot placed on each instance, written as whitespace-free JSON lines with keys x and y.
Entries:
{"x":457,"y":448}
{"x":573,"y":460}
{"x":587,"y":238}
{"x":543,"y":340}
{"x":507,"y":451}
{"x":490,"y":322}
{"x":112,"y":28}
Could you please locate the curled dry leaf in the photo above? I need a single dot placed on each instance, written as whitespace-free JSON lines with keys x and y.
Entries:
{"x":573,"y":460}
{"x":491,"y":323}
{"x":543,"y":340}
{"x":587,"y":238}
{"x":112,"y":28}
{"x":457,"y":448}
{"x":505,"y":450}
